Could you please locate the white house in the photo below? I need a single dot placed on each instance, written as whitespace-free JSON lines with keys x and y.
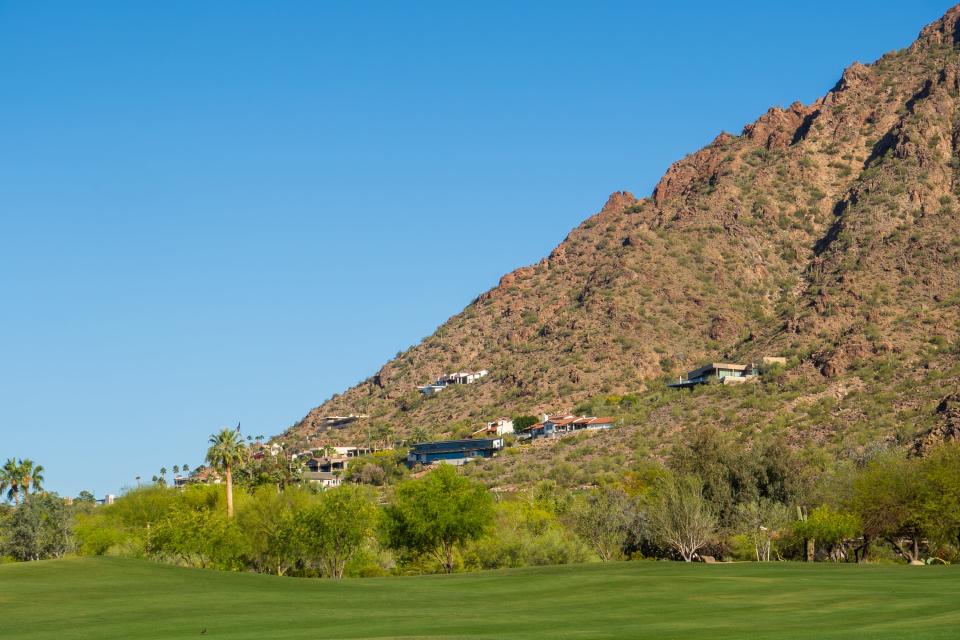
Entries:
{"x":498,"y":427}
{"x":460,"y":377}
{"x":556,"y":426}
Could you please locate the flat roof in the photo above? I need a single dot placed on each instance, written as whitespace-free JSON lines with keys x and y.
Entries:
{"x":446,"y":446}
{"x":696,"y":373}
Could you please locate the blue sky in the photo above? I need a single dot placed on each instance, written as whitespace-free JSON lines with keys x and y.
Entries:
{"x":214,"y":212}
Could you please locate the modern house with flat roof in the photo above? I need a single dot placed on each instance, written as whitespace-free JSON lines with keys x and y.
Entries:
{"x":721,"y":371}
{"x":328,"y":465}
{"x":444,"y":381}
{"x":556,"y":426}
{"x":453,"y":451}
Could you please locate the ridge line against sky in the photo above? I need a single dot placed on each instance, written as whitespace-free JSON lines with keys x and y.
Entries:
{"x":229,"y":211}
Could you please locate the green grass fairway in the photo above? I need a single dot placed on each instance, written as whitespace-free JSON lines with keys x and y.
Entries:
{"x":125,"y":599}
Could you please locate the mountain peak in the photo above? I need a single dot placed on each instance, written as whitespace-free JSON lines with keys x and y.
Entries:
{"x":946,"y":30}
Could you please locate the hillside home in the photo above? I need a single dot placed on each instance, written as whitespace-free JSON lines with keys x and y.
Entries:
{"x":354,"y":452}
{"x":556,"y":426}
{"x":453,"y":451}
{"x":328,"y":464}
{"x":498,"y":427}
{"x":725,"y":372}
{"x":343,"y":452}
{"x":339,"y":422}
{"x":444,"y":381}
{"x":325,"y":479}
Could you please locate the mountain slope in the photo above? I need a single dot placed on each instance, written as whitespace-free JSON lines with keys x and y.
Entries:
{"x":825,"y":232}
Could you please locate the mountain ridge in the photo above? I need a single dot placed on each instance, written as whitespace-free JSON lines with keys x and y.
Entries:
{"x":823,"y":232}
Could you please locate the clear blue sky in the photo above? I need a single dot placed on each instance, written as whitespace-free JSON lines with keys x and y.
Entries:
{"x":214,"y":212}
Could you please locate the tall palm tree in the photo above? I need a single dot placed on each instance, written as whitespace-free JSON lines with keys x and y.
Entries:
{"x":32,"y":476}
{"x":10,"y":480}
{"x":226,"y":451}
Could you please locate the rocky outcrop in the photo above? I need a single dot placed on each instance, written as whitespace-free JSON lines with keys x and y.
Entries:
{"x":947,"y":429}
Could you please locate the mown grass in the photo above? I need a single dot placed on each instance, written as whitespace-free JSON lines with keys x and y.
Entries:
{"x":113,"y":598}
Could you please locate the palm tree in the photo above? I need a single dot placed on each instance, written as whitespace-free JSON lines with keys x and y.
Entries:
{"x":32,"y":475}
{"x":186,"y":468}
{"x":226,"y":450}
{"x":176,"y":469}
{"x":10,"y":480}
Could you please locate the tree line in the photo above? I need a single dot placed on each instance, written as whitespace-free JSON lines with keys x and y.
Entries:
{"x":709,"y":496}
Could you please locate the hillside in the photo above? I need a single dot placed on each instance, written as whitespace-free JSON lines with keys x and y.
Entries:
{"x":112,"y":598}
{"x":827,"y":233}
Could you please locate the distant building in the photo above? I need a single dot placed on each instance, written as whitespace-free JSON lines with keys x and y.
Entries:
{"x":354,"y":452}
{"x":498,"y":427}
{"x":325,"y":479}
{"x":722,"y":371}
{"x":344,"y":452}
{"x":453,"y":451}
{"x":556,"y":426}
{"x":328,"y":464}
{"x":444,"y":381}
{"x":339,"y":422}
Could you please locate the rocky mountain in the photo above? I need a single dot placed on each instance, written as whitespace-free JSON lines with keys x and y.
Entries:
{"x":827,"y":233}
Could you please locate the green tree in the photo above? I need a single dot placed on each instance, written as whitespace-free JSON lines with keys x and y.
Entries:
{"x":18,"y":476}
{"x":940,"y":494}
{"x":383,"y":434}
{"x":337,"y":526}
{"x":31,"y":475}
{"x":226,"y":452}
{"x":760,"y":521}
{"x":195,"y":531}
{"x":269,"y":521}
{"x":419,"y":434}
{"x":888,"y":498}
{"x":10,"y":480}
{"x":724,"y":467}
{"x":831,"y":528}
{"x":437,"y":513}
{"x":522,"y":422}
{"x":38,"y":529}
{"x":85,"y":496}
{"x":680,"y":515}
{"x":606,"y":518}
{"x":382,"y":467}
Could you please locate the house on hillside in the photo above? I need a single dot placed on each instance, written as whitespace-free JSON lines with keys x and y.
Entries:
{"x":725,"y":372}
{"x":328,"y":464}
{"x":354,"y":452}
{"x":339,"y":422}
{"x":453,"y":451}
{"x":325,"y":479}
{"x":496,"y":428}
{"x":556,"y":426}
{"x":444,"y":381}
